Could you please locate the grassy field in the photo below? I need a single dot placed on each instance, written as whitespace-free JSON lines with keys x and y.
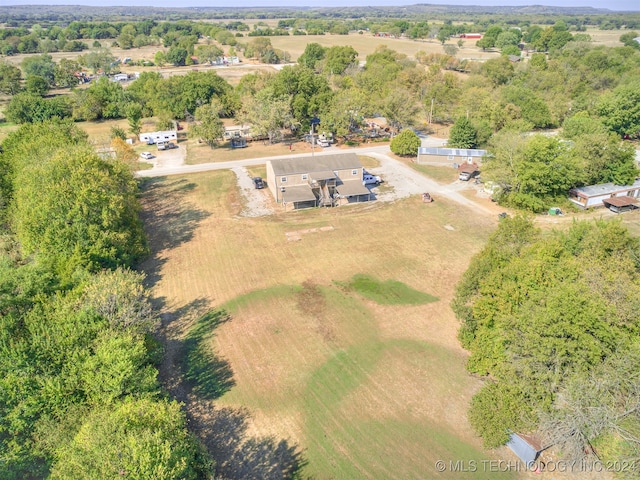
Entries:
{"x":342,"y":343}
{"x":367,"y":43}
{"x":440,"y":174}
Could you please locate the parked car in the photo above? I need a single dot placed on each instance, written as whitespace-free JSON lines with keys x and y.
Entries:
{"x":369,"y":179}
{"x":324,"y":143}
{"x":258,"y":182}
{"x":147,"y":155}
{"x":171,"y":145}
{"x":162,"y":146}
{"x":466,"y":176}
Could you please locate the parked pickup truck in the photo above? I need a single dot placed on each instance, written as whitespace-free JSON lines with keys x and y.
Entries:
{"x":466,"y":176}
{"x":162,"y":146}
{"x":368,"y":179}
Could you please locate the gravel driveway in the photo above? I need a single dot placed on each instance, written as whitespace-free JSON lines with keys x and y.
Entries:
{"x":256,"y":201}
{"x":404,"y":182}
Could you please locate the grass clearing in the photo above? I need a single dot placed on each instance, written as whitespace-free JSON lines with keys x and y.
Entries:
{"x":368,"y":162}
{"x":442,"y":174}
{"x":389,"y":292}
{"x":367,"y":390}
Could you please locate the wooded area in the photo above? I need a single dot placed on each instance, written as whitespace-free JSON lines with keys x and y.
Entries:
{"x":79,"y":395}
{"x":550,"y":318}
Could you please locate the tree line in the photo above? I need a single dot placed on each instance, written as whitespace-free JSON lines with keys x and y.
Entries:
{"x":79,"y":394}
{"x":551,"y":322}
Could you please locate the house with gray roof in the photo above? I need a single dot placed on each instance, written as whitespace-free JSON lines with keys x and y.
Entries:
{"x":596,"y":195}
{"x":449,"y":156}
{"x":311,"y":181}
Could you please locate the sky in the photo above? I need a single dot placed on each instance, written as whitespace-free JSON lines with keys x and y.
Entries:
{"x":609,"y":4}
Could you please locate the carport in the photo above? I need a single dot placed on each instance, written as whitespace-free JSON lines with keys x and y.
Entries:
{"x":620,"y":204}
{"x":301,"y":196}
{"x":353,"y":191}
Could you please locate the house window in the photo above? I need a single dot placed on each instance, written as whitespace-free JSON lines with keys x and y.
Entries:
{"x":449,"y":157}
{"x":354,"y":172}
{"x":305,"y":176}
{"x":283,"y":180}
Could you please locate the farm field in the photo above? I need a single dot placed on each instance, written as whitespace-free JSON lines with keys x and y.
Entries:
{"x":342,"y":343}
{"x":367,"y":43}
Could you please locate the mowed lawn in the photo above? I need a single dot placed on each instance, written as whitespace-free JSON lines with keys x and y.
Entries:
{"x":343,"y":342}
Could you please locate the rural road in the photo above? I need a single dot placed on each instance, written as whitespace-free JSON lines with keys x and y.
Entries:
{"x":404,"y":180}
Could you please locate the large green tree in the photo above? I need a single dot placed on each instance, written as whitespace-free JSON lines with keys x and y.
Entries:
{"x":539,"y":310}
{"x":313,"y":53}
{"x":532,"y":171}
{"x":463,"y":134}
{"x":620,"y":110}
{"x":79,"y":211}
{"x":40,"y":65}
{"x":405,"y":144}
{"x":144,"y":439}
{"x":209,"y":127}
{"x":9,"y":78}
{"x":337,"y":59}
{"x":268,"y":115}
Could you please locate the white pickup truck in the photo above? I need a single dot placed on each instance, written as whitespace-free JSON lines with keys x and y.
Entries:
{"x":368,"y":179}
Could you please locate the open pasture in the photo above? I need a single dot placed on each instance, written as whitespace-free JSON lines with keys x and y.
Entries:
{"x":343,"y":342}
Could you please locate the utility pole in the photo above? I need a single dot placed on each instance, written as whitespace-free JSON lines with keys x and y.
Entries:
{"x":313,"y":140}
{"x":431,"y":111}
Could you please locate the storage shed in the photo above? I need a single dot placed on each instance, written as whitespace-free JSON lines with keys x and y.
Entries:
{"x":525,"y":447}
{"x":594,"y":195}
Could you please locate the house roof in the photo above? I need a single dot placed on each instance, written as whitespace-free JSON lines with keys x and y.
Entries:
{"x":604,"y":189}
{"x":325,"y":175}
{"x":468,"y":167}
{"x":351,"y":188}
{"x":320,"y":163}
{"x":622,"y":201}
{"x":460,"y":152}
{"x":298,"y":193}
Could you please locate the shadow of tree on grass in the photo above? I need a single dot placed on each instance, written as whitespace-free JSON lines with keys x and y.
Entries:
{"x":208,"y":375}
{"x":205,"y":377}
{"x":169,"y":220}
{"x":240,"y":456}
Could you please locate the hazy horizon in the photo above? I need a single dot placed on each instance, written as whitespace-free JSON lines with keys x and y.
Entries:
{"x":614,"y":5}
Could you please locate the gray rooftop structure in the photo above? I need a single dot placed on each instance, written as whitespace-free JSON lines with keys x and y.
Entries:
{"x":352,"y":188}
{"x":318,"y":164}
{"x":523,"y":448}
{"x":459,"y":152}
{"x":605,"y":189}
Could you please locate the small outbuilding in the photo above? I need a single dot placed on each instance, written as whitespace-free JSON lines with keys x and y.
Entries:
{"x":525,"y":447}
{"x":595,"y":195}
